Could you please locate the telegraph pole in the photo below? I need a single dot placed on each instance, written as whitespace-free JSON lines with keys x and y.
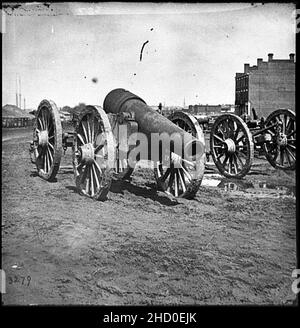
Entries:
{"x":16,"y":90}
{"x":20,"y":98}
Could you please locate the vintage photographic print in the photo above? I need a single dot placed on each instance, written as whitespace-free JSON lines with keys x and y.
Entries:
{"x":148,"y":155}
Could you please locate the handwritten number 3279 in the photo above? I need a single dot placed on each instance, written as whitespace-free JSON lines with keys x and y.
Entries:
{"x":21,"y":279}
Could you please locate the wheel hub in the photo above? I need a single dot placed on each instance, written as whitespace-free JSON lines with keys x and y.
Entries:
{"x":281,"y":139}
{"x":43,"y":138}
{"x":87,"y":153}
{"x":230,"y":145}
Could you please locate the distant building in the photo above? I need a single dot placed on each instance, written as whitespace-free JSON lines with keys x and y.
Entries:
{"x":168,"y":110}
{"x":14,"y":117}
{"x":65,"y":116}
{"x":266,"y":86}
{"x":204,"y":109}
{"x":228,"y":108}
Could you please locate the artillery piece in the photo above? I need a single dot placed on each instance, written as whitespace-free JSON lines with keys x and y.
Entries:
{"x":232,"y":140}
{"x":105,"y":141}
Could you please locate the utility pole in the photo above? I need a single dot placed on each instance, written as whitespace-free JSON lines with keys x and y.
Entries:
{"x":16,"y":90}
{"x":20,"y":98}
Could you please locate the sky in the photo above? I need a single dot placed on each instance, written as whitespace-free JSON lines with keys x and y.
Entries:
{"x":79,"y":52}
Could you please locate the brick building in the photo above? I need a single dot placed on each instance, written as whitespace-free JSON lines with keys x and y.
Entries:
{"x":266,"y":86}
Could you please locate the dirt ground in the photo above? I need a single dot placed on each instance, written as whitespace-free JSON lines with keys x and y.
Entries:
{"x":230,"y":245}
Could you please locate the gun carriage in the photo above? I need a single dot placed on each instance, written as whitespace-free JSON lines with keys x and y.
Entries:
{"x":102,"y":142}
{"x":233,"y":139}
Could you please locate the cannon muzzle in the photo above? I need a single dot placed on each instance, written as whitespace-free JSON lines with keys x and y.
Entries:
{"x":151,"y":122}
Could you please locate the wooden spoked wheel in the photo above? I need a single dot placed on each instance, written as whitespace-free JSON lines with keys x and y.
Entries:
{"x":93,"y":153}
{"x":182,"y":178}
{"x":280,"y":151}
{"x":47,"y":140}
{"x":231,"y":146}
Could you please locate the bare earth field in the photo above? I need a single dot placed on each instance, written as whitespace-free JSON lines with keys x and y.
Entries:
{"x":232,"y":244}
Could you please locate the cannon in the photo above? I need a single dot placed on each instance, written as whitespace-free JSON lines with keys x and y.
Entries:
{"x":232,"y":140}
{"x":107,"y":143}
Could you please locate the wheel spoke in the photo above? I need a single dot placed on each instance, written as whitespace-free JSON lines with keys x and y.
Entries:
{"x":96,"y":176}
{"x":238,"y":158}
{"x":284,"y":123}
{"x":288,"y":126}
{"x":290,"y":153}
{"x":176,"y":183}
{"x":158,"y":170}
{"x":236,"y":132}
{"x":49,"y":121}
{"x":235,"y":164}
{"x":50,"y":145}
{"x":92,"y":182}
{"x":181,"y":181}
{"x":48,"y":161}
{"x":217,"y":137}
{"x":225,"y":127}
{"x":278,"y":120}
{"x":80,"y":138}
{"x":84,"y":132}
{"x":291,"y":146}
{"x":45,"y":162}
{"x":188,"y":162}
{"x":186,"y":173}
{"x":45,"y":120}
{"x":50,"y":155}
{"x":41,"y":124}
{"x":92,"y":132}
{"x":89,"y":132}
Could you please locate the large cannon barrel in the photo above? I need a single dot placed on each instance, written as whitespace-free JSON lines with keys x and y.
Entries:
{"x":150,"y":121}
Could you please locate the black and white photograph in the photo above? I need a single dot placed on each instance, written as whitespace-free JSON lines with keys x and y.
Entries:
{"x":149,"y":155}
